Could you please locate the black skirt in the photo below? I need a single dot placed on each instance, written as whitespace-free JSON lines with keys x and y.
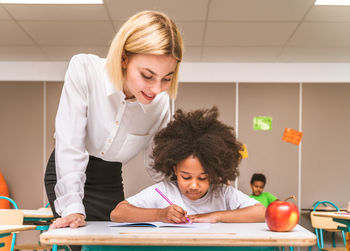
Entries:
{"x":103,"y":188}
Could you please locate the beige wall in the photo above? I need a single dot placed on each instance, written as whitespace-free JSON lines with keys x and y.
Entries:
{"x":21,"y":144}
{"x":21,"y":147}
{"x":326,"y":143}
{"x":204,"y":95}
{"x":53,"y":93}
{"x":267,"y":152}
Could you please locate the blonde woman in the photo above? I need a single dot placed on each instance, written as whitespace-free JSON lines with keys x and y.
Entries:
{"x":109,"y":111}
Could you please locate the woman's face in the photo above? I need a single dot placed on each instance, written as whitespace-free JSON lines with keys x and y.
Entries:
{"x":147,"y":75}
{"x":192,"y":180}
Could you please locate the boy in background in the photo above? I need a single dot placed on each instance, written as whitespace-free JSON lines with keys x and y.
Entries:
{"x":257,"y":184}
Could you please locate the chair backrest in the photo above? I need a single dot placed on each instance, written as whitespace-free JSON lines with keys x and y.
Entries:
{"x":14,"y":204}
{"x":11,"y":217}
{"x":324,"y":204}
{"x":324,"y":222}
{"x":320,"y":223}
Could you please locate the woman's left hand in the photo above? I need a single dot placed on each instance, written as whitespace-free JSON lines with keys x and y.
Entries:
{"x":72,"y":221}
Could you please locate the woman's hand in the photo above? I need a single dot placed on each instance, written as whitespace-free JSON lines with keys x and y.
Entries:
{"x":174,"y":214}
{"x":72,"y":220}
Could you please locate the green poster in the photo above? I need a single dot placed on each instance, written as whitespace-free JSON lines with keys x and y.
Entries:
{"x":262,"y":123}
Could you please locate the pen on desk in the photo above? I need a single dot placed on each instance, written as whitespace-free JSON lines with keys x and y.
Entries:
{"x":166,"y":198}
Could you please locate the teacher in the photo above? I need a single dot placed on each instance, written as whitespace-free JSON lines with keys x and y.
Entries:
{"x":109,"y":111}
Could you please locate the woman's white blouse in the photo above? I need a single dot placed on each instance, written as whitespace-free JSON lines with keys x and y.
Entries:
{"x":93,"y":118}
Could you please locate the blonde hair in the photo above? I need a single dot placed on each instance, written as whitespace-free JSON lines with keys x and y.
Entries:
{"x":147,"y":32}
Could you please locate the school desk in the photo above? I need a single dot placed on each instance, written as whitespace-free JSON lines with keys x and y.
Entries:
{"x":341,"y":217}
{"x":217,"y":235}
{"x":37,"y":215}
{"x":41,"y":218}
{"x":6,"y":230}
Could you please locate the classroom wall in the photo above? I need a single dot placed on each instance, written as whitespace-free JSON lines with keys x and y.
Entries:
{"x":267,"y":153}
{"x":326,"y":144}
{"x":53,"y":94}
{"x":315,"y":170}
{"x":21,"y":138}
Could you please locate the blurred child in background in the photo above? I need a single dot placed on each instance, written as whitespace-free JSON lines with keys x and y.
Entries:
{"x":257,"y":184}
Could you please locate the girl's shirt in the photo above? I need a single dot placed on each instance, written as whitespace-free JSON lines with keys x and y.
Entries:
{"x":93,"y":118}
{"x":224,"y":198}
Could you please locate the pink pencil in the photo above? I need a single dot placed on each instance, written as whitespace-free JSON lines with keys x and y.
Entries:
{"x":166,"y":198}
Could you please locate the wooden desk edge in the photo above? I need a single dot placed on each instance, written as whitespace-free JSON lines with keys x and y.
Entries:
{"x":177,"y":241}
{"x":20,"y":228}
{"x":43,"y":216}
{"x":38,"y":216}
{"x":332,"y":215}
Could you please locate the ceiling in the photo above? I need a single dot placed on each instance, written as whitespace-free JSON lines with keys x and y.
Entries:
{"x":213,"y":30}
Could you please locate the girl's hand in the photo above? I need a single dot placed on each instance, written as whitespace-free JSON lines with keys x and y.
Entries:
{"x":72,"y":220}
{"x":174,"y":214}
{"x":210,"y":217}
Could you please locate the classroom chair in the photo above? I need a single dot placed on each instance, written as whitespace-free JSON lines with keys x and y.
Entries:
{"x":11,"y":217}
{"x":321,"y":224}
{"x":17,"y":219}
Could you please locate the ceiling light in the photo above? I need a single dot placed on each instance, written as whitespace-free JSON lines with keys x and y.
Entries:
{"x":332,"y":2}
{"x":53,"y":1}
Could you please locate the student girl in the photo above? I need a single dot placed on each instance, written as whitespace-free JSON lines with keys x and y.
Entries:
{"x":109,"y":111}
{"x":200,"y":155}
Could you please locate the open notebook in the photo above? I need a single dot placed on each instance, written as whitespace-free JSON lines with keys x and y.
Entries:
{"x":158,"y":224}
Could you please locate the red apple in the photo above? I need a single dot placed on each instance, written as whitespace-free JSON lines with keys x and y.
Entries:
{"x":281,"y":216}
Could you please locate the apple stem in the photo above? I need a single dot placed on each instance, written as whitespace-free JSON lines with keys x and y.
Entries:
{"x":291,"y":197}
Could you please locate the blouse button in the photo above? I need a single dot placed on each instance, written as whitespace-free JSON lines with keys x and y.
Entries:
{"x":102,"y":153}
{"x":123,"y":102}
{"x":117,"y":122}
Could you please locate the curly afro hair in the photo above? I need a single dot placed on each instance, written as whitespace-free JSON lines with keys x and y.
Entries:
{"x":201,"y":134}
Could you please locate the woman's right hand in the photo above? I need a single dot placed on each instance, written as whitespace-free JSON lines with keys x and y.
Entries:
{"x":72,"y":221}
{"x":174,"y":214}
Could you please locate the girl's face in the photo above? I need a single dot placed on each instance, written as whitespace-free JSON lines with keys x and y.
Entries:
{"x":147,"y":75}
{"x":192,"y":180}
{"x":257,"y":187}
